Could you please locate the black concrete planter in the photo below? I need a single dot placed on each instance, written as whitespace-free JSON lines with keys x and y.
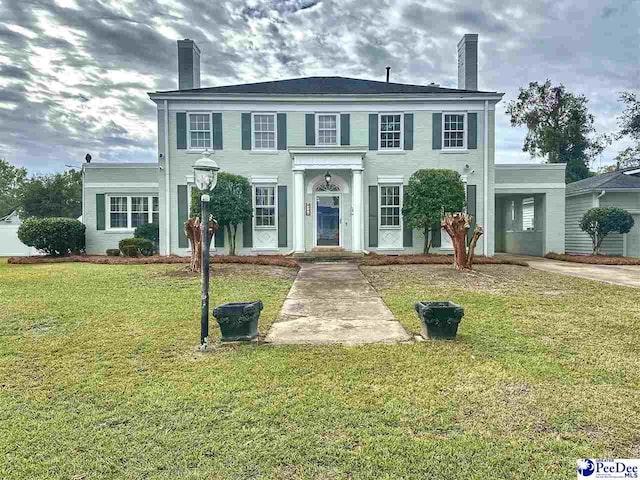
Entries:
{"x":440,"y":320}
{"x":238,"y":320}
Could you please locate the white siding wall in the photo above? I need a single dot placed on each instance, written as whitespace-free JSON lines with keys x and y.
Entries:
{"x":577,"y":241}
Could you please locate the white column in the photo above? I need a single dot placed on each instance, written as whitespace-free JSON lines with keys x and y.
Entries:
{"x":298,"y":211}
{"x":356,"y":203}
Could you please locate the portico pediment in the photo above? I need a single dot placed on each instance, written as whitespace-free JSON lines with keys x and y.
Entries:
{"x":324,"y":158}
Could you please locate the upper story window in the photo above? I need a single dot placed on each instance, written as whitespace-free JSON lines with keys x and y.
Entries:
{"x":128,"y":212}
{"x":391,"y":131}
{"x":199,"y":131}
{"x":328,"y":126}
{"x":453,"y":130}
{"x":390,"y":205}
{"x":265,"y":206}
{"x":264,"y":131}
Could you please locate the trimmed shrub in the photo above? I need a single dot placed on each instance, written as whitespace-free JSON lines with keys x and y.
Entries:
{"x":53,"y":236}
{"x":131,"y":247}
{"x":601,"y":221}
{"x":150,"y":231}
{"x":113,"y":252}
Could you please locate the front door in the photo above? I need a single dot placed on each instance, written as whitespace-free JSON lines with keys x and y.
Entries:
{"x":327,"y":220}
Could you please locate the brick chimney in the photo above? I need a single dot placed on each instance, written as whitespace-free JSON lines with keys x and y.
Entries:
{"x":188,"y":65}
{"x":468,"y":62}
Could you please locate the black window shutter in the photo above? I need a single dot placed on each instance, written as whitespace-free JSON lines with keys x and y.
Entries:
{"x":310,"y":129}
{"x":181,"y":130}
{"x":436,"y":140}
{"x":471,"y":209}
{"x":282,"y":131}
{"x":345,"y":129}
{"x":100,"y":211}
{"x":247,"y":231}
{"x":373,"y":216}
{"x":246,"y":131}
{"x":282,"y":216}
{"x":219,"y":238}
{"x":183,"y":215}
{"x":436,"y":236}
{"x":217,"y":131}
{"x":373,"y":131}
{"x":408,"y":131}
{"x":407,"y":232}
{"x":472,"y":133}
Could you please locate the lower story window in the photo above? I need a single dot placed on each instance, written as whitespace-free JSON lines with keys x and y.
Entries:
{"x":132,"y":211}
{"x":265,"y":208}
{"x":390,"y":206}
{"x":119,"y":212}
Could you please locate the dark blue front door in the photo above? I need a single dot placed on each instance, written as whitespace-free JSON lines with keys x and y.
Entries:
{"x":328,"y":221}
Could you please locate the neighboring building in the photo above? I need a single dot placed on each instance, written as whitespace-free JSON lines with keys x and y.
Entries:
{"x":285,"y":136}
{"x":614,"y":189}
{"x":10,"y":244}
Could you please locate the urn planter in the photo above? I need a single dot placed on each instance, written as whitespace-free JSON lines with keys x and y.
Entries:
{"x":238,"y":320}
{"x":439,"y":320}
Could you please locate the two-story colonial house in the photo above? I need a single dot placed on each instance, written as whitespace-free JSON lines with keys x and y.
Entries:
{"x":328,"y":159}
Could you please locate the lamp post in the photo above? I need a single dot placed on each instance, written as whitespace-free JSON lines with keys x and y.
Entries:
{"x":205,"y":175}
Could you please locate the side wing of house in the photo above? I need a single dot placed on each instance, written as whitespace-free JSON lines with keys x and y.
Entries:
{"x":530,"y":208}
{"x":117,"y":198}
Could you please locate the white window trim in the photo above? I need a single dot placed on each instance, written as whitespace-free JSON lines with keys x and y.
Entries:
{"x":400,"y":225}
{"x":199,"y":149}
{"x":275,"y":131}
{"x":317,"y":125}
{"x":386,"y":149}
{"x":128,"y":228}
{"x":275,"y":206}
{"x":464,"y":147}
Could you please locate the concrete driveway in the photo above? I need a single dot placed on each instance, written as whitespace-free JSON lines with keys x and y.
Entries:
{"x":626,"y":275}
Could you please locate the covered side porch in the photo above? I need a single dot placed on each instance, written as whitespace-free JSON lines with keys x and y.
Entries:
{"x":529,"y":209}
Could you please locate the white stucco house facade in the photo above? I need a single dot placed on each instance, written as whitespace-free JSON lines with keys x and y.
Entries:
{"x":286,"y":136}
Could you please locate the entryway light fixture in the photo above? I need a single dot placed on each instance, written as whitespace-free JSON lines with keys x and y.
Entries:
{"x":327,"y":178}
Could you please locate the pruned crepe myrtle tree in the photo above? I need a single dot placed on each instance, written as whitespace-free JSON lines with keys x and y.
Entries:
{"x":457,"y":225}
{"x":599,"y":222}
{"x":431,"y":192}
{"x":230,"y":205}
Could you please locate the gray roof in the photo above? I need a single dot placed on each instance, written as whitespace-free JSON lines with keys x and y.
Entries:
{"x":618,"y":180}
{"x":327,"y":86}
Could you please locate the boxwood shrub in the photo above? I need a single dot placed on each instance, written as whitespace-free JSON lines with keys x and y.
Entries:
{"x":150,"y":231}
{"x":132,"y":247}
{"x":53,"y":236}
{"x":113,"y":252}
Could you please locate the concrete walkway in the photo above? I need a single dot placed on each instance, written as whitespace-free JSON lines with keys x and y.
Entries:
{"x":334,"y":303}
{"x":626,"y":275}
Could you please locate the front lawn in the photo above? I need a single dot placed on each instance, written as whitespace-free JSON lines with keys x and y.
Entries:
{"x":99,"y":378}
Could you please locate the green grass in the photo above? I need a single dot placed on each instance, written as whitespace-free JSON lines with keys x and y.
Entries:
{"x":99,"y":378}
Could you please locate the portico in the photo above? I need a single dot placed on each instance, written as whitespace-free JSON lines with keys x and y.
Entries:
{"x":328,"y":213}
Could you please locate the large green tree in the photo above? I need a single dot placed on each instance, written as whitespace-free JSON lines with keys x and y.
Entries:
{"x":230,"y":204}
{"x":429,"y":194}
{"x":629,"y":123}
{"x":57,"y":195}
{"x":559,"y":125}
{"x":11,"y":180}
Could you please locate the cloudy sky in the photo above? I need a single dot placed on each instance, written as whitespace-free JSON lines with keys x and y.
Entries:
{"x":74,"y":73}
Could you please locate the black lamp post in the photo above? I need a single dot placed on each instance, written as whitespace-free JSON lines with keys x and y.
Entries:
{"x":205,"y":175}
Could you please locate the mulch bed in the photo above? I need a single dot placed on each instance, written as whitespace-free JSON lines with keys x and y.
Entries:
{"x":375,"y":260}
{"x":106,"y":260}
{"x":593,"y":259}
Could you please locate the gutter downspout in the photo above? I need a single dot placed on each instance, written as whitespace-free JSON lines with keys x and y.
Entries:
{"x":487,"y":229}
{"x":167,"y":189}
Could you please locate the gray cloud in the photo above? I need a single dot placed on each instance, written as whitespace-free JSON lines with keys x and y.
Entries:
{"x":74,"y":80}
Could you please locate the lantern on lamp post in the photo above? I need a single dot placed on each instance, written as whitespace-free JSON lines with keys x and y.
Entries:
{"x":205,"y":175}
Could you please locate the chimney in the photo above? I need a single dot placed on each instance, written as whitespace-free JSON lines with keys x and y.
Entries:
{"x":468,"y":62}
{"x":188,"y":65}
